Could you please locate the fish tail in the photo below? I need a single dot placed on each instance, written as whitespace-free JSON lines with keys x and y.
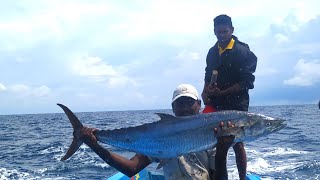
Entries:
{"x":77,"y":125}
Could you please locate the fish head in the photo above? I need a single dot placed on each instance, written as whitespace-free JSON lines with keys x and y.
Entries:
{"x":260,"y":125}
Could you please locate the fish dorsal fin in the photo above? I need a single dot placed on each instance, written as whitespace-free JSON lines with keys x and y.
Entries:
{"x":164,"y":116}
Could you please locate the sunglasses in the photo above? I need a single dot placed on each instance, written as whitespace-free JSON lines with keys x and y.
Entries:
{"x":186,"y":101}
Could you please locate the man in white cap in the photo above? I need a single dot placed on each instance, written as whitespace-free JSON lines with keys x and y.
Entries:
{"x":200,"y":165}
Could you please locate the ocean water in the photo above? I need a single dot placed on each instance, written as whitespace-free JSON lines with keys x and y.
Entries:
{"x":31,"y":145}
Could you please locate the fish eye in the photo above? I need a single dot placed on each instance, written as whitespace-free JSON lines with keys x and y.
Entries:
{"x":268,"y":124}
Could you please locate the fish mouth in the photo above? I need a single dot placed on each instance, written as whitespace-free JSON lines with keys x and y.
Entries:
{"x":283,"y":123}
{"x":279,"y":125}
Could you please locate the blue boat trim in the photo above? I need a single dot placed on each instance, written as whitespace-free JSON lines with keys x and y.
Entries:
{"x":146,"y":175}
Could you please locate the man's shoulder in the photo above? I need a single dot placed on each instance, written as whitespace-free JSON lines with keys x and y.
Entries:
{"x":242,"y":46}
{"x":242,"y":49}
{"x":214,"y":48}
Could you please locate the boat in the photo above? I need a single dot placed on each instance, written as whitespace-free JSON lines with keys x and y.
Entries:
{"x":147,"y":175}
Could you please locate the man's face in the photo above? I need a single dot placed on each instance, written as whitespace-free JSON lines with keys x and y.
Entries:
{"x":223,"y":33}
{"x":185,"y":106}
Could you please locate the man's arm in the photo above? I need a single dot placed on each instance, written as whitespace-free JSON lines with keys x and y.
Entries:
{"x":223,"y":145}
{"x":241,"y":159}
{"x":126,"y":166}
{"x":211,"y":64}
{"x":248,"y":64}
{"x":221,"y":157}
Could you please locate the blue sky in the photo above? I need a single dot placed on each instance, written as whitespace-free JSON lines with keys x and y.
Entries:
{"x":125,"y":55}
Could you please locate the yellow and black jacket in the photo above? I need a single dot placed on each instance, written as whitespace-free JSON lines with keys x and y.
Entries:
{"x":235,"y":64}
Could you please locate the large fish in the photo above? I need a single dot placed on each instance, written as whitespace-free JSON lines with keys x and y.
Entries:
{"x":175,"y":136}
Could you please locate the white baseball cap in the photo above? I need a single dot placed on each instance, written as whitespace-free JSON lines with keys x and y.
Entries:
{"x":186,"y":90}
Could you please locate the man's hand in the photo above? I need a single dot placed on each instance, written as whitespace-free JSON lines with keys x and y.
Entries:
{"x":87,"y":135}
{"x":224,"y":141}
{"x":205,"y":98}
{"x":213,"y":90}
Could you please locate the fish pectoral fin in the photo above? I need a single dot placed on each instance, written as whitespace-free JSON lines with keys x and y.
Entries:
{"x":162,"y":163}
{"x":164,"y":116}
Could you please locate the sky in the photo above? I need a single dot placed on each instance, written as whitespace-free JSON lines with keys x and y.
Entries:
{"x":100,"y":55}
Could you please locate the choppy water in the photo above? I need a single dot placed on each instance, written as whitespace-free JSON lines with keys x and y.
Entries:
{"x":31,"y":145}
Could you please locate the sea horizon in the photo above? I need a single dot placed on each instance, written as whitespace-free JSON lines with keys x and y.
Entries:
{"x":146,"y":109}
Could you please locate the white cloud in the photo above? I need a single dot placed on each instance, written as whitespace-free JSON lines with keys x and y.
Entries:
{"x":188,"y":55}
{"x":86,"y":95}
{"x":167,"y":17}
{"x":263,"y":71}
{"x":281,"y":38}
{"x":140,"y":45}
{"x":41,"y":91}
{"x":19,"y":88}
{"x":93,"y":66}
{"x":277,"y":49}
{"x":120,"y":81}
{"x":52,"y":21}
{"x":185,"y":66}
{"x":306,"y":73}
{"x":100,"y":71}
{"x":25,"y":91}
{"x":2,"y":87}
{"x":309,"y":48}
{"x":21,"y":60}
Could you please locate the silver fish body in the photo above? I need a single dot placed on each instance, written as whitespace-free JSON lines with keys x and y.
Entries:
{"x":175,"y":136}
